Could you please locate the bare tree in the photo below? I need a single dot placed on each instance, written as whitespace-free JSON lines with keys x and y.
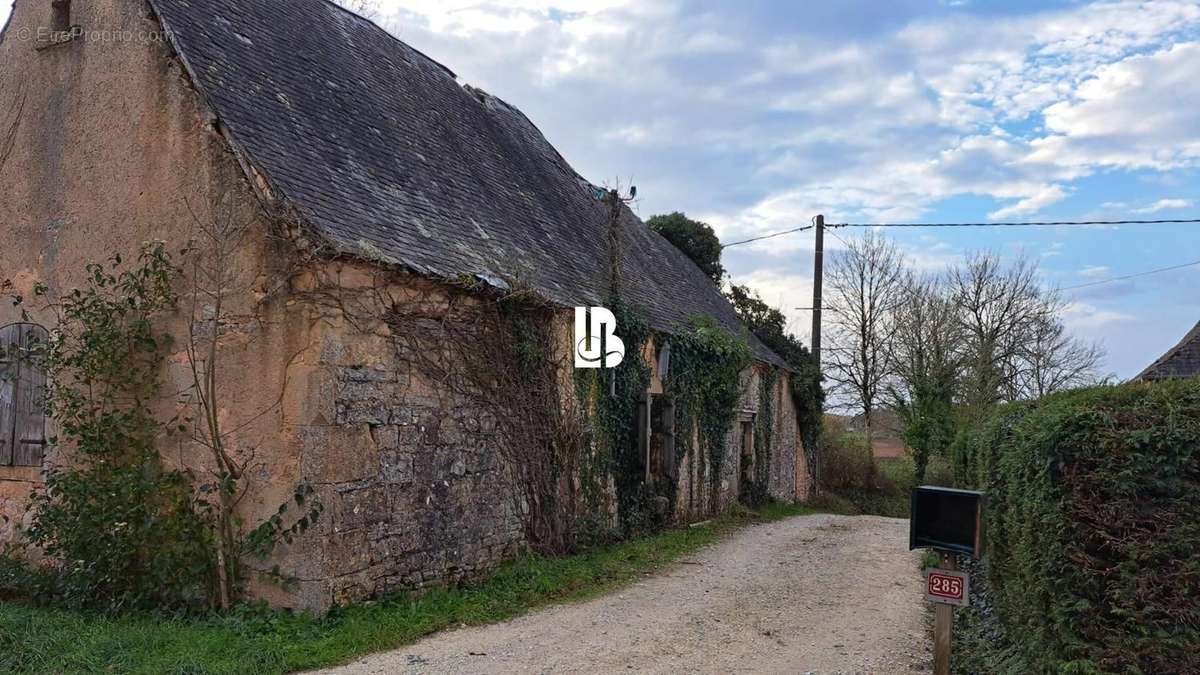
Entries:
{"x":367,"y":9}
{"x":865,"y":285}
{"x":1050,"y":358}
{"x":998,"y":306}
{"x":1018,"y":347}
{"x":216,"y":279}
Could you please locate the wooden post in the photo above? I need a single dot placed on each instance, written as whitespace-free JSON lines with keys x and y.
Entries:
{"x":943,"y":626}
{"x":818,"y":282}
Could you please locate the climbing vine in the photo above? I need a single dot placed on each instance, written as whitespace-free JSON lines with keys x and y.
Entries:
{"x":501,"y":352}
{"x":808,"y":395}
{"x":129,"y":532}
{"x":124,"y":530}
{"x":758,"y":491}
{"x":612,"y":397}
{"x":705,"y":383}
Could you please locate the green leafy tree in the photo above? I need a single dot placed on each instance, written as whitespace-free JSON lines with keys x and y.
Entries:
{"x":927,"y":353}
{"x":696,"y":239}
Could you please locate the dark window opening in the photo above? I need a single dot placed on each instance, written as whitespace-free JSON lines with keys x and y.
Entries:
{"x":659,"y":434}
{"x":747,"y":455}
{"x":60,"y":17}
{"x":22,"y":393}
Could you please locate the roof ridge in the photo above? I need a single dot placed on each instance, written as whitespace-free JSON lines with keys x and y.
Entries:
{"x":389,"y":33}
{"x":1192,"y":336}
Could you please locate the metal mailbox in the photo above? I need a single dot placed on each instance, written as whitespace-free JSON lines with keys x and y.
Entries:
{"x":946,"y":519}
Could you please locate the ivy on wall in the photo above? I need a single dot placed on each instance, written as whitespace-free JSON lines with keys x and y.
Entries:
{"x":613,"y":397}
{"x":704,"y":381}
{"x":758,"y":491}
{"x":123,"y":531}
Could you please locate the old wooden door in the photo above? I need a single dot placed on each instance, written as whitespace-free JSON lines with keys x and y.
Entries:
{"x":22,"y":388}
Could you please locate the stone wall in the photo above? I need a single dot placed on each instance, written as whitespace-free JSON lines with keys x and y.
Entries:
{"x":435,"y":507}
{"x":787,"y":456}
{"x":788,"y":473}
{"x":414,"y":490}
{"x":411,"y":482}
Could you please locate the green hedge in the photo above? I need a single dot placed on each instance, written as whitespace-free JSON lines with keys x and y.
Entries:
{"x":1093,"y":526}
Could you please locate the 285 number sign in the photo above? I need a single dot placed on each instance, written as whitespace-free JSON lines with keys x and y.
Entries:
{"x":946,"y":586}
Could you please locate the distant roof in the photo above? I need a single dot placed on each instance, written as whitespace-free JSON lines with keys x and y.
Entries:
{"x":1182,"y":360}
{"x":884,"y":423}
{"x":388,"y":158}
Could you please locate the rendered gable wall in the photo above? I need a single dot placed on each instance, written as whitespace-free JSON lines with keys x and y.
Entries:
{"x":104,"y":145}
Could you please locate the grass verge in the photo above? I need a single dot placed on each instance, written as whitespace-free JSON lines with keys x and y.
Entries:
{"x":43,"y":640}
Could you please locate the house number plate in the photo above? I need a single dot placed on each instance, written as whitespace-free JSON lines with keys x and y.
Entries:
{"x":946,"y":586}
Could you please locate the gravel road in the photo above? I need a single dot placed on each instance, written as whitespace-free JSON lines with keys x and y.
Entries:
{"x":823,"y":594}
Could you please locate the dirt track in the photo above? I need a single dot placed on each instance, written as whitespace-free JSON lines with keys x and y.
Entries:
{"x":824,"y":594}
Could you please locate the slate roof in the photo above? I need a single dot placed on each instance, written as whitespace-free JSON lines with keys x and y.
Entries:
{"x":1182,"y":360}
{"x":388,"y":158}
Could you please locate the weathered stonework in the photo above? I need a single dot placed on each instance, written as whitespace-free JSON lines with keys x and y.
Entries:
{"x":788,"y":474}
{"x":413,"y":487}
{"x":433,"y":505}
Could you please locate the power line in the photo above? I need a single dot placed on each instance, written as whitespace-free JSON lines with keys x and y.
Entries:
{"x":1133,"y":276}
{"x":1045,"y":223}
{"x":770,"y":236}
{"x":838,"y":237}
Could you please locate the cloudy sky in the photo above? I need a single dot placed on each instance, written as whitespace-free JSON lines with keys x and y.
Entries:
{"x":755,"y":115}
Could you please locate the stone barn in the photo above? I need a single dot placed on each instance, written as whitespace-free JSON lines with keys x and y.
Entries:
{"x":362,"y":185}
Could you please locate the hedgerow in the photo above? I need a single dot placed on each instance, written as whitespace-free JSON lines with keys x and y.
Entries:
{"x":1092,"y":526}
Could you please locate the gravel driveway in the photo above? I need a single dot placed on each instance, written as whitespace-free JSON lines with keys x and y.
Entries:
{"x":825,"y":594}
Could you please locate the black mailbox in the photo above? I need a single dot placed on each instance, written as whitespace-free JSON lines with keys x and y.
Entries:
{"x":946,"y":519}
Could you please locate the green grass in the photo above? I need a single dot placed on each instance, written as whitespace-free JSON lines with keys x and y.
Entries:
{"x":42,"y":640}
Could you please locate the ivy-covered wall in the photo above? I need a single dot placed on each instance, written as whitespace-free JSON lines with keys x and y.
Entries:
{"x":423,"y":496}
{"x":735,"y":424}
{"x":788,"y":477}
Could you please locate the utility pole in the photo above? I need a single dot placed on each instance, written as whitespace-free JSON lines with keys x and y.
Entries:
{"x":818,"y":282}
{"x":818,"y":279}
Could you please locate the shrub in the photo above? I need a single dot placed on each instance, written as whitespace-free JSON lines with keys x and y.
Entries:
{"x":853,"y":481}
{"x":846,"y":462}
{"x":1092,"y":526}
{"x":122,"y":531}
{"x":938,"y":472}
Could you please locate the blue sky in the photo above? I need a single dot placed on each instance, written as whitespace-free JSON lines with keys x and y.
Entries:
{"x":756,"y":115}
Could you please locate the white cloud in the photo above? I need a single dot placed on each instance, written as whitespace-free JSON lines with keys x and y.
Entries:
{"x":1140,"y":112}
{"x":1080,"y":316}
{"x":1165,"y":204}
{"x":1032,"y":204}
{"x":921,"y":116}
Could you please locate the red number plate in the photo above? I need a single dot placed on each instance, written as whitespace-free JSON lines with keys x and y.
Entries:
{"x":946,"y":586}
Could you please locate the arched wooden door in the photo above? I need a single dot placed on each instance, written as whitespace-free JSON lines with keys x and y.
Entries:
{"x":22,"y":388}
